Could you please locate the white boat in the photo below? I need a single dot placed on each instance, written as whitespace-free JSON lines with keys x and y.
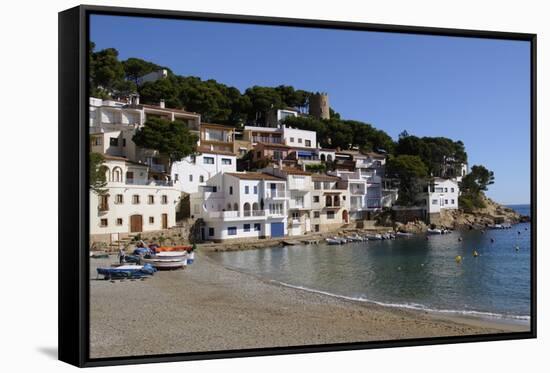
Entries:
{"x":434,"y":231}
{"x":374,"y":237}
{"x":166,"y":263}
{"x":332,"y":241}
{"x":403,"y":234}
{"x":354,"y":238}
{"x":171,"y":255}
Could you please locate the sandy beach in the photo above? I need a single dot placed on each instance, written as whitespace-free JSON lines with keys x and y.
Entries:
{"x":207,"y":307}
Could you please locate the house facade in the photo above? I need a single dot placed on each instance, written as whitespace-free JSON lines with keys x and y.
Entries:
{"x":442,"y":194}
{"x":329,"y":203}
{"x":217,"y":137}
{"x":132,"y":203}
{"x":244,"y":205}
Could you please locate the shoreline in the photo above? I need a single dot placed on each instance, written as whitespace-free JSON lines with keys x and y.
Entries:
{"x":209,"y":307}
{"x":475,"y":318}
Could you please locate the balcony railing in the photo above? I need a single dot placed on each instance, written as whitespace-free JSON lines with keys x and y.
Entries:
{"x":275,"y":194}
{"x":151,"y":182}
{"x":254,"y":213}
{"x":103,"y":207}
{"x":267,"y":139}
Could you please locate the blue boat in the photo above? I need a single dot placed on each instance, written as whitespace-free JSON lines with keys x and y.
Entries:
{"x":127,"y":271}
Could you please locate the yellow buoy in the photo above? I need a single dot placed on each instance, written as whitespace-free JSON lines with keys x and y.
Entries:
{"x":458,"y":259}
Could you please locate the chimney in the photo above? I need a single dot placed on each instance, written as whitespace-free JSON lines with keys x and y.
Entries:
{"x":161,"y":104}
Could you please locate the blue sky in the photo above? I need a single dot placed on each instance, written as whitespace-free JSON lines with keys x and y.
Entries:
{"x":474,"y":90}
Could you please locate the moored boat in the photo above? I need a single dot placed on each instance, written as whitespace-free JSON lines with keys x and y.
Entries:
{"x":166,"y":263}
{"x":173,"y":248}
{"x":434,"y":231}
{"x":126,"y":271}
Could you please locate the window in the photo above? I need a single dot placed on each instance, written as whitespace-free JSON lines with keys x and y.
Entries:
{"x":246,"y":189}
{"x":299,"y":141}
{"x":330,"y":214}
{"x":176,"y":177}
{"x":316,"y":214}
{"x":232,"y":231}
{"x":326,"y":185}
{"x":344,"y":198}
{"x":226,"y":161}
{"x":119,"y":199}
{"x":308,"y":143}
{"x":246,"y":227}
{"x":452,"y":202}
{"x":97,"y":141}
{"x":119,"y":221}
{"x":208,"y":160}
{"x":446,"y":201}
{"x":210,"y":232}
{"x":277,"y":155}
{"x":434,"y":201}
{"x":295,"y":215}
{"x":151,"y":220}
{"x":150,"y":199}
{"x":123,"y":142}
{"x":191,"y":178}
{"x":257,"y":227}
{"x":103,"y":222}
{"x":135,"y":199}
{"x":452,"y":190}
{"x":316,"y":199}
{"x":255,"y":189}
{"x":113,"y":141}
{"x":292,"y":139}
{"x":317,"y":185}
{"x":164,"y":199}
{"x":201,"y":179}
{"x":316,"y":227}
{"x":446,"y":190}
{"x":230,"y":190}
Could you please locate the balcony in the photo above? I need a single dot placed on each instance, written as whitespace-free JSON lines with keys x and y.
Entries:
{"x":103,"y":207}
{"x":267,"y":139}
{"x":236,"y":215}
{"x":150,"y":182}
{"x":275,"y":194}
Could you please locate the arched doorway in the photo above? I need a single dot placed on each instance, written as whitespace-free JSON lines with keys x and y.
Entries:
{"x":345,"y":216}
{"x":246,"y":209}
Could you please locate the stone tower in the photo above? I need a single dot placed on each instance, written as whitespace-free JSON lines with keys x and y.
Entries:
{"x":319,"y":106}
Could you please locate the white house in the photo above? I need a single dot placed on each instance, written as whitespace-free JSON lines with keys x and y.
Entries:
{"x":299,"y":138}
{"x":442,"y":194}
{"x":244,"y":205}
{"x":133,"y":203}
{"x":300,"y":187}
{"x":329,"y":203}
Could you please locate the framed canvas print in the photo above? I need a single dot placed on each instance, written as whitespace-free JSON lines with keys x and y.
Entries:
{"x":235,"y":186}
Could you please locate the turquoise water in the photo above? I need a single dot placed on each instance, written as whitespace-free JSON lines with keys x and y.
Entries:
{"x":410,"y":272}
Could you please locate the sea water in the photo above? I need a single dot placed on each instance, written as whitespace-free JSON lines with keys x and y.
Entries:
{"x":413,"y":272}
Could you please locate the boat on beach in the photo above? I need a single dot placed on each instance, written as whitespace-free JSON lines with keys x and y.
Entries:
{"x":179,"y":255}
{"x":354,"y":238}
{"x":166,"y":263}
{"x":373,"y":237}
{"x":173,"y":248}
{"x":130,"y":271}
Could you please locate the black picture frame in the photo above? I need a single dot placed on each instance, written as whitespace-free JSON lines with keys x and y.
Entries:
{"x":73,"y":184}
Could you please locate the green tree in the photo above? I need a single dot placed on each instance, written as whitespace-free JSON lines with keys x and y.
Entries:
{"x":107,"y":70}
{"x":134,"y":68}
{"x":98,"y":178}
{"x":472,"y":187}
{"x":172,"y":140}
{"x":411,"y":173}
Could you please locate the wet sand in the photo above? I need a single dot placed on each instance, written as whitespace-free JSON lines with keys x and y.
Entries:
{"x":207,"y":307}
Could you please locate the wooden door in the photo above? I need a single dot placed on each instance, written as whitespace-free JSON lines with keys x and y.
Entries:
{"x":164,"y":221}
{"x":136,"y":223}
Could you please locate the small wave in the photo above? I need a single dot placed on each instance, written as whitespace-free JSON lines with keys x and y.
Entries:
{"x":414,"y":306}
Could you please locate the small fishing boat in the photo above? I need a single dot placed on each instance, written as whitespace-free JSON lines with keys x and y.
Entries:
{"x":403,"y":234}
{"x":98,"y":254}
{"x":374,"y":237}
{"x":127,"y":271}
{"x":354,"y":238}
{"x":170,"y":255}
{"x":166,"y":263}
{"x":332,"y":241}
{"x":174,"y":248}
{"x":434,"y":231}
